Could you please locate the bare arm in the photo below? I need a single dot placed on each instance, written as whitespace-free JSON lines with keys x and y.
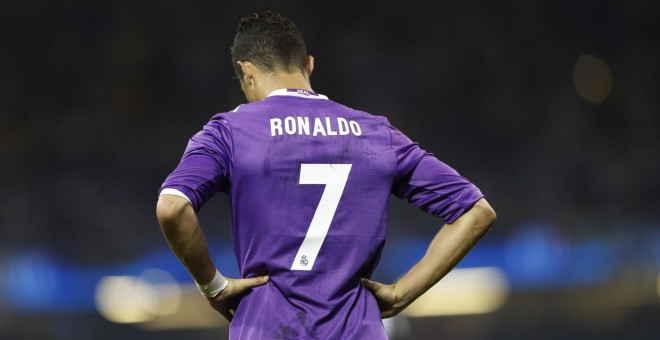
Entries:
{"x":185,"y":236}
{"x":447,"y":249}
{"x":181,"y":228}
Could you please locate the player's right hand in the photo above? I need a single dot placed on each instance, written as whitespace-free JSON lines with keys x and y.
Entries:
{"x":227,"y":301}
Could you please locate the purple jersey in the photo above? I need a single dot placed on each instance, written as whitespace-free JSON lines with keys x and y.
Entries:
{"x":309,"y":182}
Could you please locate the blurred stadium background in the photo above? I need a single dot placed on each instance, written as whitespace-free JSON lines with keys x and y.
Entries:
{"x":551,"y":107}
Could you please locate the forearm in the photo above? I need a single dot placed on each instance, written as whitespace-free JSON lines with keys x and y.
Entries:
{"x":183,"y":233}
{"x":446,"y":250}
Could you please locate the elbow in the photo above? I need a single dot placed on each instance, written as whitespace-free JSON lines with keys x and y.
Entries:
{"x":169,"y":211}
{"x":486,"y":215}
{"x":491,"y":217}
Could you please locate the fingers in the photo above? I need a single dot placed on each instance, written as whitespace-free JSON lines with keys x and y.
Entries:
{"x":388,"y":314}
{"x":239,"y":286}
{"x":227,"y":301}
{"x":371,"y":285}
{"x":227,"y":314}
{"x":253,"y":281}
{"x":383,"y":298}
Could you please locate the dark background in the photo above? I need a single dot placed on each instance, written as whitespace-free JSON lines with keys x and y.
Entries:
{"x":98,"y":99}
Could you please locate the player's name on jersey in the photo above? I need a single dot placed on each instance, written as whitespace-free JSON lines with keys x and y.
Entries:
{"x":327,"y":126}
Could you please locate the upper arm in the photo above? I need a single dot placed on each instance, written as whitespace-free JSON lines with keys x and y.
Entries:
{"x":438,"y":189}
{"x":205,"y":166}
{"x":481,"y":216}
{"x":428,"y":183}
{"x":171,"y":209}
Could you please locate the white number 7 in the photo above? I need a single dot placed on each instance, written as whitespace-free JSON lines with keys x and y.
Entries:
{"x":334,"y":176}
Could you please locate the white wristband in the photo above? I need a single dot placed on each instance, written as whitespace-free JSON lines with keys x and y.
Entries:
{"x":214,"y":287}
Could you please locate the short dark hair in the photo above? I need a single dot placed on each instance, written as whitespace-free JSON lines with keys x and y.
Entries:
{"x":269,"y":41}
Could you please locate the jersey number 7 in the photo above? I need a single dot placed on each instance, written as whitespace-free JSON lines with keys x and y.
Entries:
{"x":334,"y":176}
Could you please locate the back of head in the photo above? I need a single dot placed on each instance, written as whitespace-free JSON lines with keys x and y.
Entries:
{"x":269,"y":41}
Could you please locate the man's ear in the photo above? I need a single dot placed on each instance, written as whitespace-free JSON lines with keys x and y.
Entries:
{"x":247,"y":69}
{"x":310,"y":65}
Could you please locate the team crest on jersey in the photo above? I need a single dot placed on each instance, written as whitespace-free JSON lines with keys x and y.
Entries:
{"x":304,"y":261}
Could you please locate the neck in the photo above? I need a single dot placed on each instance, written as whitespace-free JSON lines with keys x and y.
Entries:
{"x":283,"y":80}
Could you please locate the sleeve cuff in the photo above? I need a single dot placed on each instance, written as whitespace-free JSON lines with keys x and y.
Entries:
{"x":174,"y":192}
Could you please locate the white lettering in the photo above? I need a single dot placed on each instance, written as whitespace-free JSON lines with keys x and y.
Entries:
{"x":289,"y":125}
{"x":318,"y":127}
{"x":355,"y":128}
{"x":303,"y":126}
{"x":343,"y":126}
{"x":327,"y":124}
{"x":275,"y":125}
{"x":300,"y":125}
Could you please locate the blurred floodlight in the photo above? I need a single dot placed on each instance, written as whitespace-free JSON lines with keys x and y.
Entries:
{"x":167,"y":290}
{"x":194,"y":312}
{"x":592,"y":79}
{"x":123,"y":299}
{"x":463,"y":291}
{"x":658,"y":285}
{"x":130,"y":299}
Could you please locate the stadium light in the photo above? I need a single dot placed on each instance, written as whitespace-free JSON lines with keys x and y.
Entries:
{"x":463,"y":291}
{"x":134,"y":299}
{"x":592,"y":78}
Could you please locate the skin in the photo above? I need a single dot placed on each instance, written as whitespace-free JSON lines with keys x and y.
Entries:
{"x":181,"y":228}
{"x":257,"y":84}
{"x":178,"y":220}
{"x":448,"y":247}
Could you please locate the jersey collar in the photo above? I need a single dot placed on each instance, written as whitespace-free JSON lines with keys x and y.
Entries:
{"x":297,"y":93}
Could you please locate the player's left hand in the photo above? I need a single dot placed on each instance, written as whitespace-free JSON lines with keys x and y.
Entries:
{"x":227,"y":301}
{"x":386,"y":296}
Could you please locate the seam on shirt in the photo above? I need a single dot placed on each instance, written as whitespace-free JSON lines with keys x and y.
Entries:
{"x":465,"y":208}
{"x":231,"y":133}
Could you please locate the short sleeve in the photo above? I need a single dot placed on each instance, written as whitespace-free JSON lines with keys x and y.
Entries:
{"x":205,"y":165}
{"x":428,"y":183}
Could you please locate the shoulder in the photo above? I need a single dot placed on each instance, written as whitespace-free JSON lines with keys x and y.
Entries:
{"x":364,"y":114}
{"x":241,"y":116}
{"x":226,"y":118}
{"x":218,"y":127}
{"x":241,"y":111}
{"x":219,"y":121}
{"x":376,"y":121}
